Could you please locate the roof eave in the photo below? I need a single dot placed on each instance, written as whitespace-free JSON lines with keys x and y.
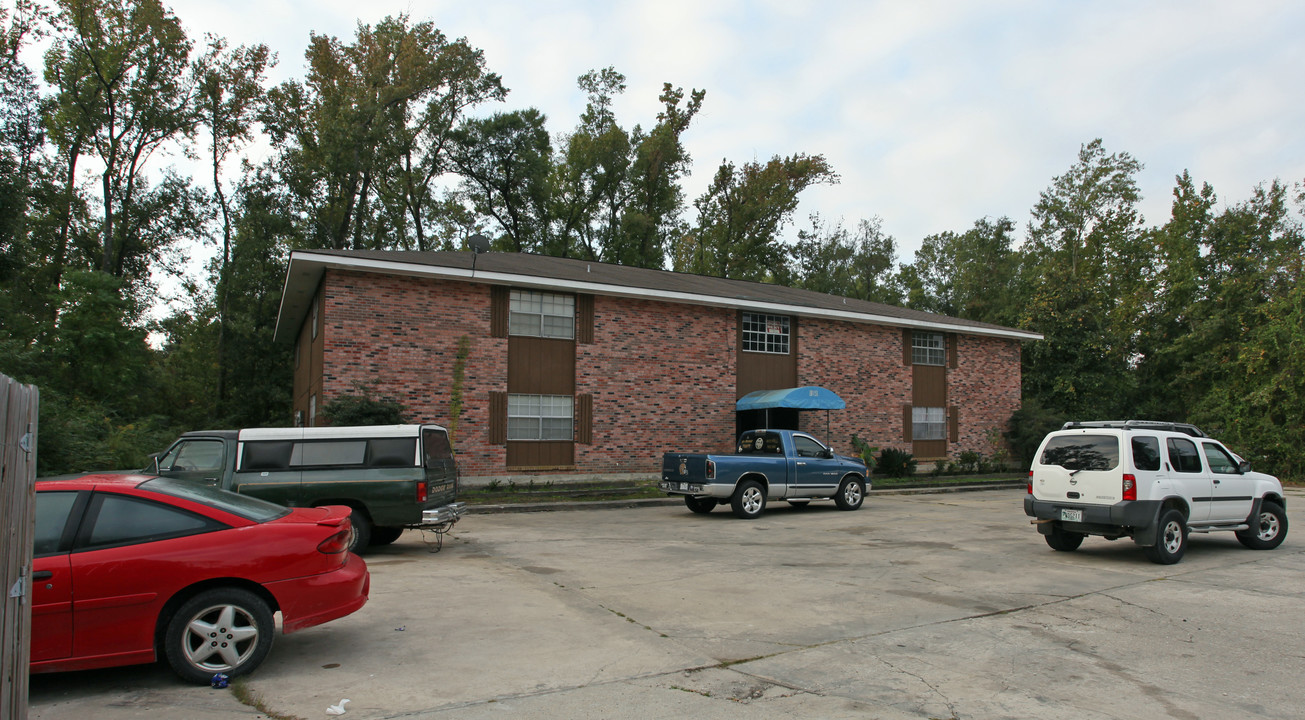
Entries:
{"x":306,"y":269}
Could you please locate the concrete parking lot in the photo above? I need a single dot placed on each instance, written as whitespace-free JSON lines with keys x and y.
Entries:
{"x":924,"y":606}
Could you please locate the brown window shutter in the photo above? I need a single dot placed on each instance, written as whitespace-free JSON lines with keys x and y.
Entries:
{"x":908,"y":335}
{"x":906,"y":423}
{"x":954,"y":423}
{"x":584,"y":318}
{"x":499,"y":300}
{"x":497,"y":418}
{"x":951,"y":349}
{"x":584,"y":419}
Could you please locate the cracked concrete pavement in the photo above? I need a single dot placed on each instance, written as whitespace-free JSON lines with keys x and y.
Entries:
{"x":924,"y":606}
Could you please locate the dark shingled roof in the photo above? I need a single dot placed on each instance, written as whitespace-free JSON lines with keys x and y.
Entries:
{"x":306,"y":267}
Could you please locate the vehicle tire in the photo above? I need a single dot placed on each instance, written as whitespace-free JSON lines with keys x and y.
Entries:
{"x":1170,"y":539}
{"x":850,"y":494}
{"x":798,"y":503}
{"x":1063,"y":540}
{"x":385,"y":535}
{"x":1269,"y":529}
{"x":362,"y":531}
{"x":702,"y":506}
{"x":222,"y":630}
{"x":749,"y":500}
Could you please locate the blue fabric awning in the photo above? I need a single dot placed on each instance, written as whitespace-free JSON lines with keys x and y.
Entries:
{"x":810,"y":397}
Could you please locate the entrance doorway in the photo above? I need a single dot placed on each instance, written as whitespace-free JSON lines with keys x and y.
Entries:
{"x":779,"y":419}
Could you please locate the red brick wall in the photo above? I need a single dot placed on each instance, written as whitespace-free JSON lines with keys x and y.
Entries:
{"x":398,"y":337}
{"x":863,"y":365}
{"x":985,"y":385}
{"x":662,"y":375}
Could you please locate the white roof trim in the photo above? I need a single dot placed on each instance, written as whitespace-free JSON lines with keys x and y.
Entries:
{"x":414,"y":269}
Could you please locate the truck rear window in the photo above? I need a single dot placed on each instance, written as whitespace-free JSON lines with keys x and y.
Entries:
{"x":755,"y":443}
{"x":1082,"y":452}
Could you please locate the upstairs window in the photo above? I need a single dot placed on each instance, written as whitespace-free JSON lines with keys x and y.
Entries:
{"x":765,"y":333}
{"x":541,"y":314}
{"x":928,"y":349}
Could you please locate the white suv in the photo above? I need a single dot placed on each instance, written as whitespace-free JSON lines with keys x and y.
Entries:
{"x":1153,"y":482}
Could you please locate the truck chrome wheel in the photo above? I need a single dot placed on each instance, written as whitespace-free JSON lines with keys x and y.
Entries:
{"x":850,"y":494}
{"x":749,"y":500}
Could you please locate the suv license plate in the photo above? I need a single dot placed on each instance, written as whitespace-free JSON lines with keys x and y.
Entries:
{"x":1071,"y":515}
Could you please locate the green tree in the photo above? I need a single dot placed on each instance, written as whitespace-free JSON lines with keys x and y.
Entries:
{"x":505,"y":162}
{"x":742,"y":212}
{"x":837,"y":261}
{"x":589,"y":180}
{"x":229,"y":91}
{"x":1245,"y":360}
{"x":650,"y":217}
{"x":369,"y":130}
{"x":970,"y":275}
{"x":123,"y":91}
{"x":1084,"y":252}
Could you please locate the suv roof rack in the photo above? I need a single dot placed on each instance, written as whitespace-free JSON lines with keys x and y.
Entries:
{"x":1185,"y":428}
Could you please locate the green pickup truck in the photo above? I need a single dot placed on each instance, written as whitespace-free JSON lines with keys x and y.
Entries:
{"x":393,"y":476}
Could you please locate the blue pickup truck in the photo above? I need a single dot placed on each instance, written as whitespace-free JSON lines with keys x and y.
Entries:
{"x":767,"y":465}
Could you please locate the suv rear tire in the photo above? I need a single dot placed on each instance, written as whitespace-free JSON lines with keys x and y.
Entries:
{"x":1062,"y":540}
{"x":1170,"y":539}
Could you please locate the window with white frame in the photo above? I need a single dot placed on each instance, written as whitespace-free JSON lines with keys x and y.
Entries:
{"x":928,"y":423}
{"x":540,"y":417}
{"x":541,"y":314}
{"x":928,"y":349}
{"x":765,"y":333}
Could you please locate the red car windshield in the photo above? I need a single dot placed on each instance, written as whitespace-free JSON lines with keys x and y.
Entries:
{"x":259,"y":511}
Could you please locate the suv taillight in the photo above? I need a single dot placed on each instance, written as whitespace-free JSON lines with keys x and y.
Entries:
{"x":1030,"y":482}
{"x":421,"y":491}
{"x":1130,"y":487}
{"x":711,"y":470}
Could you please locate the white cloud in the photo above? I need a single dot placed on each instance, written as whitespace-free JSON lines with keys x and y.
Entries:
{"x":935,"y":113}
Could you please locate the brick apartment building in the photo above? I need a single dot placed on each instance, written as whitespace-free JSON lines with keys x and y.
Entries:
{"x":581,"y":368}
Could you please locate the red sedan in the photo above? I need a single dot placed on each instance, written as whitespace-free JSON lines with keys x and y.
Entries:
{"x":127,"y":568}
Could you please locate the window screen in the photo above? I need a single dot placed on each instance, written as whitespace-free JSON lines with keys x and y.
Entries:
{"x":765,"y":333}
{"x":928,"y":349}
{"x":540,"y":417}
{"x":540,"y":314}
{"x":1082,"y":452}
{"x":928,"y":423}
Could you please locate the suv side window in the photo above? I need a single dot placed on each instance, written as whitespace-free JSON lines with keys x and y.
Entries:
{"x":1183,"y":456}
{"x":1146,"y":452}
{"x":1219,"y":460}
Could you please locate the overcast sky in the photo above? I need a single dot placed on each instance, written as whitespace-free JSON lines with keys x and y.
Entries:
{"x":935,"y":114}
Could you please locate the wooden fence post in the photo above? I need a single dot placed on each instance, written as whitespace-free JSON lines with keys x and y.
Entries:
{"x":19,"y":405}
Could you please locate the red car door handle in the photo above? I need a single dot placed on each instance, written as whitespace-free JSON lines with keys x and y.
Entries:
{"x":42,"y":575}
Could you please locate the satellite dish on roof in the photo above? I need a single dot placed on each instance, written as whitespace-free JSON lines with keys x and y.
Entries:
{"x":479,"y":243}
